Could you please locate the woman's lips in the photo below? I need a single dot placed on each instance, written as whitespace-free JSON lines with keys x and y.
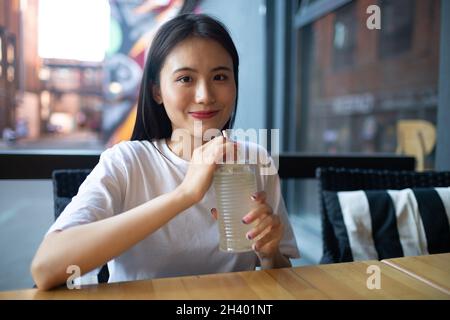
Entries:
{"x":203,"y":114}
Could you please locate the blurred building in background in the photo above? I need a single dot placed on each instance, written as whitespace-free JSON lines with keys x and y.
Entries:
{"x":80,"y":62}
{"x":10,"y":48}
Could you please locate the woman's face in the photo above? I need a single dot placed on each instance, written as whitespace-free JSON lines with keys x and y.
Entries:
{"x":197,"y":84}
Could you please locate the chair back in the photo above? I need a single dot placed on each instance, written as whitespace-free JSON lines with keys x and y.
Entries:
{"x":343,"y":179}
{"x":65,"y":187}
{"x":66,"y":183}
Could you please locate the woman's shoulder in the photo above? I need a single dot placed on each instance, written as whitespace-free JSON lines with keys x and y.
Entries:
{"x":127,"y":148}
{"x":128,"y":156}
{"x":125,"y":153}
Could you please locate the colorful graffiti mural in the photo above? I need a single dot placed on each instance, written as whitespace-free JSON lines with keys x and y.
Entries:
{"x":133,"y":26}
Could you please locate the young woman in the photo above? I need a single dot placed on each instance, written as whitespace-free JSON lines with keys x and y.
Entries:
{"x":145,"y":208}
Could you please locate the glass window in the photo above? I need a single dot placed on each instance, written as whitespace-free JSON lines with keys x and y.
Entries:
{"x":370,"y":91}
{"x":397,"y":27}
{"x":344,"y":39}
{"x":82,"y":65}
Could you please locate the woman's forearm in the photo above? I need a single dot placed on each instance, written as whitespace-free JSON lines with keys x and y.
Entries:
{"x":92,"y":245}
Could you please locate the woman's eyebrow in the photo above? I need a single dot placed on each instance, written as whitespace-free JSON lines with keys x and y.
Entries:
{"x":218,"y":68}
{"x":184,"y":69}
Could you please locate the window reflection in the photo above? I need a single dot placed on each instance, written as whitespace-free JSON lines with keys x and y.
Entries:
{"x":344,"y":38}
{"x":397,"y":27}
{"x":360,"y":86}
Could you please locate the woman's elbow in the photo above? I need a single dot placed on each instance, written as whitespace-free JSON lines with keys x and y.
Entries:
{"x":41,"y":275}
{"x":42,"y":270}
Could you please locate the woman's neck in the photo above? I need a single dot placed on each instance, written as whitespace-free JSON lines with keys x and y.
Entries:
{"x":184,"y":146}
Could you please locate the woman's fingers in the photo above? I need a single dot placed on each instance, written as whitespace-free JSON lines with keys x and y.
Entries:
{"x":257,"y":212}
{"x":214,"y":213}
{"x":259,"y":197}
{"x":227,"y":152}
{"x":266,"y":225}
{"x":218,"y":150}
{"x":271,"y":239}
{"x":230,"y":154}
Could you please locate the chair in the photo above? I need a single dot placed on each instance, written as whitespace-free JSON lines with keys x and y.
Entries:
{"x":65,"y":186}
{"x":341,"y":179}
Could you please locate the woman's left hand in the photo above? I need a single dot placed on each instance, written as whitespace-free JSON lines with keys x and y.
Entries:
{"x":268,"y":229}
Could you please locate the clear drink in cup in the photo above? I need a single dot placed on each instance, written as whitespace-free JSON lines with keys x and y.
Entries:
{"x":234,"y":184}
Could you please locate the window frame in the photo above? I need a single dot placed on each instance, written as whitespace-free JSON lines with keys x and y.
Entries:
{"x":443,"y":117}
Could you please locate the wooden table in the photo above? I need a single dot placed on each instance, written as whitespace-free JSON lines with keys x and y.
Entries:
{"x":334,"y":281}
{"x":433,"y":270}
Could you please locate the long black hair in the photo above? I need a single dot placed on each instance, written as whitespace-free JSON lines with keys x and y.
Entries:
{"x":152,"y":121}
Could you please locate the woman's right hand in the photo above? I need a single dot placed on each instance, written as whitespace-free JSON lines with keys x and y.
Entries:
{"x":202,"y":166}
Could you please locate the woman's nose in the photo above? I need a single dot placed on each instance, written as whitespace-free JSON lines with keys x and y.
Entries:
{"x":204,"y":94}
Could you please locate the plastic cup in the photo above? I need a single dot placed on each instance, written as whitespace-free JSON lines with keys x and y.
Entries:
{"x":234,"y":184}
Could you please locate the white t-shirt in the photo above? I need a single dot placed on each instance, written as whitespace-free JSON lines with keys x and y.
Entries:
{"x":134,"y":172}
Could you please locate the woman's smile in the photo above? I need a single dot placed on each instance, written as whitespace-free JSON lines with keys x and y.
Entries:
{"x":205,"y":114}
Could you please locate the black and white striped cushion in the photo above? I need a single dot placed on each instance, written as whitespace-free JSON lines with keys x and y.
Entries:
{"x":381,"y":224}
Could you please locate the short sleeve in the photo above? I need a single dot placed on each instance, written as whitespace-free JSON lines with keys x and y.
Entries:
{"x":270,"y":184}
{"x":100,"y":196}
{"x":288,"y":244}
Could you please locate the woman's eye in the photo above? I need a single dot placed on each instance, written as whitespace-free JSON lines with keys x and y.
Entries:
{"x":185,"y":79}
{"x":220,"y":77}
